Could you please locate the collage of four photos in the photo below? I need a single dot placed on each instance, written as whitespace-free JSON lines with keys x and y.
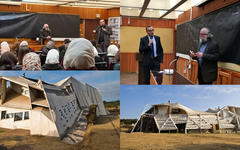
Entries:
{"x":119,"y":74}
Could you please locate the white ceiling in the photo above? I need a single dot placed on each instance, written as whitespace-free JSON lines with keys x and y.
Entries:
{"x":75,"y":3}
{"x":156,"y":8}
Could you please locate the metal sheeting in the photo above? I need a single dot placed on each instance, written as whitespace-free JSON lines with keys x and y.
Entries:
{"x":86,"y":94}
{"x":63,"y":106}
{"x":79,"y":90}
{"x":96,"y":98}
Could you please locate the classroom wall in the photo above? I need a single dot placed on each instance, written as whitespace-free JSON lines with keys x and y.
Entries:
{"x":130,"y":38}
{"x":200,"y":11}
{"x":84,"y":13}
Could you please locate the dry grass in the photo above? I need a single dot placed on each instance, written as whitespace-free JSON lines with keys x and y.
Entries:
{"x":104,"y":135}
{"x":165,"y":141}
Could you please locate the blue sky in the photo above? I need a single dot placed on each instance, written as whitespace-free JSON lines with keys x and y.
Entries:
{"x":108,"y":82}
{"x":197,"y":97}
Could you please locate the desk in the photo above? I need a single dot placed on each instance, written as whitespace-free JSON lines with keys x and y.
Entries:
{"x":161,"y":78}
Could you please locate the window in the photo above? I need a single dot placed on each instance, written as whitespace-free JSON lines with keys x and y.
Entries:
{"x":3,"y":115}
{"x":18,"y":116}
{"x":10,"y":115}
{"x":176,"y":111}
{"x":26,"y":115}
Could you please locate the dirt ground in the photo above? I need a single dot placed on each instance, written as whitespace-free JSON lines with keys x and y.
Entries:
{"x":103,"y":135}
{"x":165,"y":141}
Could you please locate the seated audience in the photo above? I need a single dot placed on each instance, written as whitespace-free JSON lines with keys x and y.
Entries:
{"x":79,"y":55}
{"x":52,"y":61}
{"x":21,"y":52}
{"x":117,"y":59}
{"x":50,"y":45}
{"x":31,"y":61}
{"x":8,"y":61}
{"x":112,"y":51}
{"x":62,"y":50}
{"x":4,"y":47}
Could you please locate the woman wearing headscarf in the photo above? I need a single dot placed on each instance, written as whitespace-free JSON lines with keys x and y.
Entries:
{"x":8,"y":61}
{"x":4,"y":47}
{"x":50,"y":45}
{"x":112,"y":51}
{"x":52,"y":61}
{"x":79,"y":55}
{"x":31,"y":61}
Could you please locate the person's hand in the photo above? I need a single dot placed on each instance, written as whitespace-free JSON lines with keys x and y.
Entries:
{"x":192,"y":54}
{"x":150,"y":42}
{"x":199,"y":54}
{"x":104,"y":29}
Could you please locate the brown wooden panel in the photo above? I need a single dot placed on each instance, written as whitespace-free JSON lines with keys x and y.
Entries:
{"x":114,"y":12}
{"x":85,"y":13}
{"x":130,"y":64}
{"x":90,"y":25}
{"x":184,"y":17}
{"x":200,"y":11}
{"x":143,"y":22}
{"x":223,"y":77}
{"x":234,"y":76}
{"x":182,"y":68}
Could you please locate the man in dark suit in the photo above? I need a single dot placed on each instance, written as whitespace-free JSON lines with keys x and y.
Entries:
{"x":151,"y":48}
{"x":103,"y":35}
{"x":207,"y":57}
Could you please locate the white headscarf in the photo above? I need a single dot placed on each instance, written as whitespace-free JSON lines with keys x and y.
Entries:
{"x":112,"y":50}
{"x":95,"y":51}
{"x":24,"y":43}
{"x":79,"y":55}
{"x":4,"y":47}
{"x":52,"y":57}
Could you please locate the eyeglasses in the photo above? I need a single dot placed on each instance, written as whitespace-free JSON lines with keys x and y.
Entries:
{"x":150,"y":30}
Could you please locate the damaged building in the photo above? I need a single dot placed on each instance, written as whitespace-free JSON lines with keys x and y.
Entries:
{"x":47,"y":109}
{"x":176,"y":118}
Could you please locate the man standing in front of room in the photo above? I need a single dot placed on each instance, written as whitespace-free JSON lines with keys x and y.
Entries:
{"x":103,"y":35}
{"x":207,"y":57}
{"x":151,"y":48}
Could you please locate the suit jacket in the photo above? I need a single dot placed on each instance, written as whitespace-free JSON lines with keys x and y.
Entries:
{"x":147,"y":51}
{"x":106,"y":34}
{"x":209,"y":68}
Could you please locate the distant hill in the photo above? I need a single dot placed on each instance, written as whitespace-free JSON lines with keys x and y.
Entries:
{"x":111,"y":103}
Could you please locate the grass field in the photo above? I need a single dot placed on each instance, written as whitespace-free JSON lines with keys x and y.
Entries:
{"x":165,"y":141}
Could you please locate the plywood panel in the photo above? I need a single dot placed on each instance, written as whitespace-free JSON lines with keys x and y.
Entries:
{"x":130,"y":38}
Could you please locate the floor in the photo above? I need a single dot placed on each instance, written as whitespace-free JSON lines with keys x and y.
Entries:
{"x":128,"y":78}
